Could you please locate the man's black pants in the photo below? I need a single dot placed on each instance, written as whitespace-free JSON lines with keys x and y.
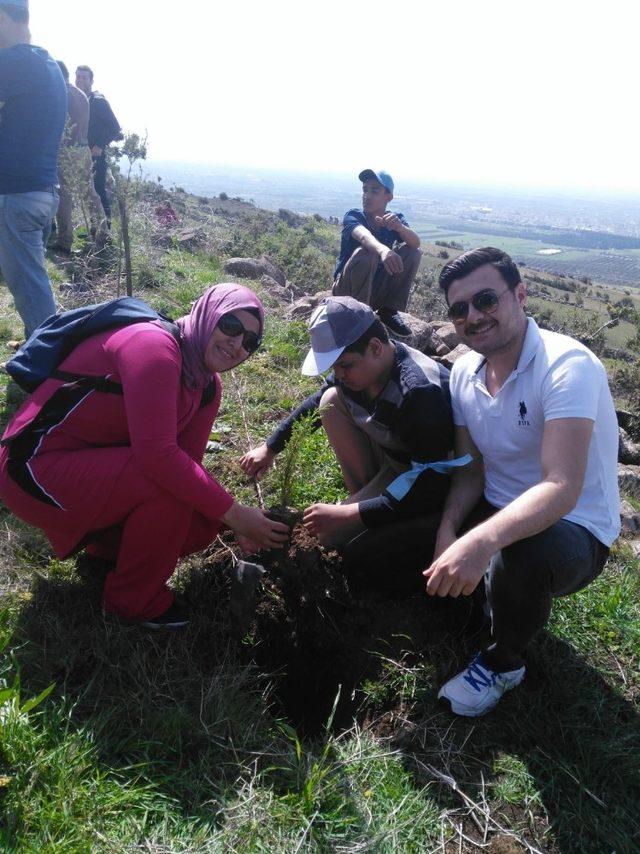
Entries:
{"x":100,"y":183}
{"x":523,"y":579}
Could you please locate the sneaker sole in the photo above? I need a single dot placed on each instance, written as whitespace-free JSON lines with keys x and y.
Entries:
{"x":147,"y":624}
{"x":114,"y":619}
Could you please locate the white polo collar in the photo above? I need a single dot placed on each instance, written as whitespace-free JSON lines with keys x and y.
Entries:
{"x":530,"y":345}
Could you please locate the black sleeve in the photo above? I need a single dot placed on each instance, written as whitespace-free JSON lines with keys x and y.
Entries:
{"x":281,"y":435}
{"x":105,"y":126}
{"x":424,"y":423}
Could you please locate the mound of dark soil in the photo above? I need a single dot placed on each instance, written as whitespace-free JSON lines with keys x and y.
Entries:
{"x":319,"y":639}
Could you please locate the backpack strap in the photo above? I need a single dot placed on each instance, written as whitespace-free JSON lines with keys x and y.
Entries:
{"x":208,"y":394}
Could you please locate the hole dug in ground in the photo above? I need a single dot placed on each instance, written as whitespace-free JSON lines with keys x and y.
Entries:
{"x":318,"y":638}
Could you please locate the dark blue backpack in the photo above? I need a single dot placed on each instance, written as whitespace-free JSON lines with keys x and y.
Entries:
{"x":58,"y":335}
{"x":39,"y":357}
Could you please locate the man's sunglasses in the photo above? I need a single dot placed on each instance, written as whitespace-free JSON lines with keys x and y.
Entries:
{"x":232,"y":326}
{"x":485,"y":301}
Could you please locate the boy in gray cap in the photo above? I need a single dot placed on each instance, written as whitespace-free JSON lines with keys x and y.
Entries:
{"x":379,"y":253}
{"x":384,"y":406}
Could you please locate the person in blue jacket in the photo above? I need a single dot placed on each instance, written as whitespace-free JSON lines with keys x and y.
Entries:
{"x":33,"y":112}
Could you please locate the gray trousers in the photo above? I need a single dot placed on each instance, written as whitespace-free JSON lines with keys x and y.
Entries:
{"x":364,"y":278}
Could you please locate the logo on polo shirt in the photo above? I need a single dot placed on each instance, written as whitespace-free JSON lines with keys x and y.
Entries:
{"x":522,"y":421}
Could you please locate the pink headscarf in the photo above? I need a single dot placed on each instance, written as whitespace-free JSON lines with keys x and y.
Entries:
{"x":197,"y":327}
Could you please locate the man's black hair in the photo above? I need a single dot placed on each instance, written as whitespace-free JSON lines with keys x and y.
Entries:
{"x":18,"y":14}
{"x":87,"y":69}
{"x":63,"y":68}
{"x":472,"y":260}
{"x":376,"y":330}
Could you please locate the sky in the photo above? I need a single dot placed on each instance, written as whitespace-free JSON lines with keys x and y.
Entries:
{"x":512,"y":93}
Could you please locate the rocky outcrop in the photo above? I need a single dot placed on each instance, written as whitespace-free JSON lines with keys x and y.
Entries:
{"x":436,"y":338}
{"x":255,"y":268}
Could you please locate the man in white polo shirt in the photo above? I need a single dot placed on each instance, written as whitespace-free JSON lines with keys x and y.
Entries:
{"x":537,"y":510}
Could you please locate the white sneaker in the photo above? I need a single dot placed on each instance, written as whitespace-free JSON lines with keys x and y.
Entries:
{"x":477,"y":689}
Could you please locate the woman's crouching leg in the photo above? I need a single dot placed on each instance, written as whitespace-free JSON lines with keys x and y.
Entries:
{"x":154,"y":536}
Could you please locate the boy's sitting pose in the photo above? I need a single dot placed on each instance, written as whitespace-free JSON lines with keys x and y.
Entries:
{"x":379,"y":253}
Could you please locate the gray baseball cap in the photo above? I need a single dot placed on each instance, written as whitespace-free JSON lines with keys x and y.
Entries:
{"x":334,"y":326}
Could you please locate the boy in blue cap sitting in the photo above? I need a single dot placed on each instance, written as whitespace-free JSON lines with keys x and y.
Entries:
{"x":379,"y":253}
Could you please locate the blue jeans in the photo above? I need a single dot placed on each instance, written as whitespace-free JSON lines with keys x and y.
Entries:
{"x":525,"y":577}
{"x":25,"y":222}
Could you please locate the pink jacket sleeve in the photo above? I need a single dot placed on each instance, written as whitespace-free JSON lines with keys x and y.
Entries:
{"x":148,"y":363}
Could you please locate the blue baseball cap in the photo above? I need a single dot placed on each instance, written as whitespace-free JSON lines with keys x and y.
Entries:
{"x":333,"y":327}
{"x":380,"y":176}
{"x":23,"y":4}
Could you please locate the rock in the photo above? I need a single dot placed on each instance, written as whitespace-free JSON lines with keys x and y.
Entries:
{"x":629,"y":479}
{"x":629,"y":518}
{"x":628,"y":450}
{"x":184,"y":238}
{"x":635,"y":546}
{"x":246,"y":268}
{"x":280,"y":292}
{"x":189,"y":238}
{"x":303,"y":308}
{"x":438,"y":324}
{"x":448,"y":335}
{"x":625,"y":418}
{"x":422,"y":337}
{"x":254,"y":268}
{"x":449,"y":358}
{"x":273,"y":270}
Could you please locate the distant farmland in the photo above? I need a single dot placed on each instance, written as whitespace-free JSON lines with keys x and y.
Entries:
{"x":614,"y":266}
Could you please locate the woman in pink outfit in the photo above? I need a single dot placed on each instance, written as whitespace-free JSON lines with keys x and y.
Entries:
{"x":121,"y":473}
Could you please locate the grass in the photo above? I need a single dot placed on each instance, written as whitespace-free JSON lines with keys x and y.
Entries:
{"x":178,"y":743}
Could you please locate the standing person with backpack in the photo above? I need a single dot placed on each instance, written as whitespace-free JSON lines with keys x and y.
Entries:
{"x":107,"y":455}
{"x":104,"y":128}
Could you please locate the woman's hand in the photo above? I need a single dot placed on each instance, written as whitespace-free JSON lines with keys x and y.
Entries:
{"x":256,"y":462}
{"x":252,"y":524}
